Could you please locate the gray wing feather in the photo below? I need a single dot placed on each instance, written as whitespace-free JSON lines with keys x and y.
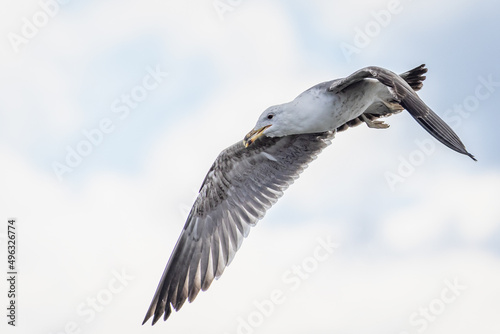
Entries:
{"x":405,"y":95}
{"x":242,"y":184}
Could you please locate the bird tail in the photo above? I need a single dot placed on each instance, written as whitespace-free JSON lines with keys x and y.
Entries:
{"x":415,"y":77}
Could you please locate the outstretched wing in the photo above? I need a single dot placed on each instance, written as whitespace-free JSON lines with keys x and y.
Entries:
{"x":403,"y":94}
{"x":242,"y":184}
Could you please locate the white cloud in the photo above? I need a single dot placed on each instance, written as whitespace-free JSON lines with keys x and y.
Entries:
{"x":462,"y":204}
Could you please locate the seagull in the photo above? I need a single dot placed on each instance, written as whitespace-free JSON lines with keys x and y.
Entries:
{"x":248,"y":177}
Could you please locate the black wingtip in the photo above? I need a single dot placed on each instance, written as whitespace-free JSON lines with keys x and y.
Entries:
{"x":155,"y":314}
{"x":471,"y":156}
{"x":146,"y":318}
{"x":155,"y":319}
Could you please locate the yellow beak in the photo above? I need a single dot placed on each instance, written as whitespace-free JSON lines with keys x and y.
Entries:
{"x":253,"y":135}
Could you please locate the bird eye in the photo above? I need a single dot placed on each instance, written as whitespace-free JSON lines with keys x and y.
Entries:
{"x":270,"y":116}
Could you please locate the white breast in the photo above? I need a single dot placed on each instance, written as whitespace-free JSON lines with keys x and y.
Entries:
{"x":319,"y":110}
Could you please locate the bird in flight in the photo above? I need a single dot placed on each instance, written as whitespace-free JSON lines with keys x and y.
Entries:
{"x":248,"y":177}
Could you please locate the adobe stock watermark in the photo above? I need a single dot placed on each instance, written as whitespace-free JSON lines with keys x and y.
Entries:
{"x":88,"y":309}
{"x":30,"y":26}
{"x":421,"y":319}
{"x":407,"y":165}
{"x":223,"y":7}
{"x":292,"y":279}
{"x":121,"y":107}
{"x":364,"y":35}
{"x":486,"y":87}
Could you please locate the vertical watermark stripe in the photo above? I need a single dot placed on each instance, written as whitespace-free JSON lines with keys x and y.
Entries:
{"x":12,"y":291}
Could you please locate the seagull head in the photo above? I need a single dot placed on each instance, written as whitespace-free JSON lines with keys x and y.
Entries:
{"x":310,"y":112}
{"x":273,"y":122}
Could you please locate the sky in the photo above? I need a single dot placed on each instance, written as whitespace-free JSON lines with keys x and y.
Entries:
{"x":112,"y":112}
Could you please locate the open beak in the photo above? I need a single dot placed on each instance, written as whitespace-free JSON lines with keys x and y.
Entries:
{"x":253,"y":135}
